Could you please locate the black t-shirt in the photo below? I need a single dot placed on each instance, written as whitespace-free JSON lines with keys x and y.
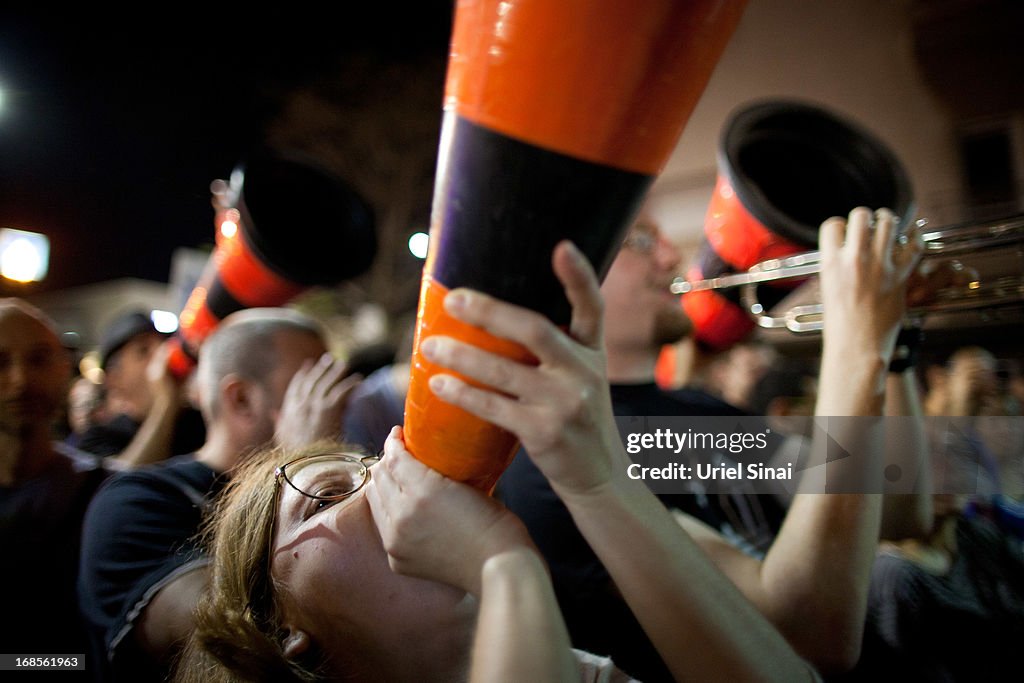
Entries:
{"x":139,"y":533}
{"x":40,"y":529}
{"x":598,"y":619}
{"x":114,"y":435}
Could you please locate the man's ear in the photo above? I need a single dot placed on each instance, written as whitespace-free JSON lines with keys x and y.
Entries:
{"x":237,"y":395}
{"x":295,"y":644}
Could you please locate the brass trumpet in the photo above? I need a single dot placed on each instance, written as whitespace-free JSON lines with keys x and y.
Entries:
{"x":995,"y":276}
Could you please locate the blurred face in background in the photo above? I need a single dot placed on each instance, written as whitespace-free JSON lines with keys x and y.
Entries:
{"x":640,"y":311}
{"x":34,"y":372}
{"x":85,"y":405}
{"x":128,"y":389}
{"x":972,"y":374}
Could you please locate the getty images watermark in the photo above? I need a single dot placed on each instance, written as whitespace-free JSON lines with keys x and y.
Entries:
{"x":977,"y":455}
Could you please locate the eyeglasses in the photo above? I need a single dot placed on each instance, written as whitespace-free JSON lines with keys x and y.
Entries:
{"x":327,"y":476}
{"x":320,"y":476}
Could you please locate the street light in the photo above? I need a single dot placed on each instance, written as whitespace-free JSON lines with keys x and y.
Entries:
{"x":24,"y":255}
{"x":164,"y":321}
{"x":418,"y":244}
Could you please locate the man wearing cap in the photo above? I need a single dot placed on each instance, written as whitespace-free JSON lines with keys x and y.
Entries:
{"x":151,"y":418}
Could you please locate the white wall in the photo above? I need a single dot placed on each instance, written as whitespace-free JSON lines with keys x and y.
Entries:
{"x":852,"y":56}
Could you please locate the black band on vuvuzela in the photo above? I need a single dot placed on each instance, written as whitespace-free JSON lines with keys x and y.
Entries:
{"x":220,"y":301}
{"x":508,"y":203}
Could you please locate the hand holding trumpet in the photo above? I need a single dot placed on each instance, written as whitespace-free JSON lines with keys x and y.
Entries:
{"x":865,"y":267}
{"x":940,"y":283}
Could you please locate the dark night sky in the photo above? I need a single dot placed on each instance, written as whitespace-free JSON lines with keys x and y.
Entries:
{"x":113,"y":128}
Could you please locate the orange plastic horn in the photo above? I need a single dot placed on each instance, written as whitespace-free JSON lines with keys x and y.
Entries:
{"x":558,"y":115}
{"x":784,"y":167}
{"x":296,"y":225}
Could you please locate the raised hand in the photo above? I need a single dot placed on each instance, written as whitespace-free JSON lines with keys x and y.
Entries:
{"x":864,"y":274}
{"x":314,"y":403}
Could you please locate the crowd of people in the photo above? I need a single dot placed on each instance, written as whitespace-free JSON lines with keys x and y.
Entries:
{"x":264,"y":520}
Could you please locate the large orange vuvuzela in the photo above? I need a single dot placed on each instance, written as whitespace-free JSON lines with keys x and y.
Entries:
{"x":558,"y":115}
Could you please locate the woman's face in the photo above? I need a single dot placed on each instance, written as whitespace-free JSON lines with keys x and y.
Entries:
{"x":334,"y":583}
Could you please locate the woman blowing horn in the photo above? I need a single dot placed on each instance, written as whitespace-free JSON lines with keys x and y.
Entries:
{"x":334,"y":566}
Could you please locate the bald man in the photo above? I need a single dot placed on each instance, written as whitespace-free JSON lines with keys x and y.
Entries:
{"x":263,"y":376}
{"x":45,"y":486}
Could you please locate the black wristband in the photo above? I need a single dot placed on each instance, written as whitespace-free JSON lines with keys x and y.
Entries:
{"x":907,"y":350}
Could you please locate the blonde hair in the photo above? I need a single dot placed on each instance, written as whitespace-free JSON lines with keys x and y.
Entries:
{"x":238,"y":632}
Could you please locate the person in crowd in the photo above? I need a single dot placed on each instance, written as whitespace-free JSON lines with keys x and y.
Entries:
{"x":948,"y":604}
{"x":45,"y":486}
{"x":972,"y":384}
{"x":807,"y":567}
{"x":85,"y":408}
{"x":264,"y":374}
{"x":303,"y":541}
{"x":150,"y":417}
{"x":979,"y":439}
